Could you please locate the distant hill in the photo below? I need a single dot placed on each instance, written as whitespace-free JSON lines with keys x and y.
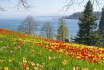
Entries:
{"x":77,"y":14}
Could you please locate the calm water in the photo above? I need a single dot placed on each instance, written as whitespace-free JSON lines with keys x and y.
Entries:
{"x":72,"y":24}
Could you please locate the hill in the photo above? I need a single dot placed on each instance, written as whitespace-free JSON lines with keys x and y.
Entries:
{"x":20,"y":51}
{"x":77,"y":14}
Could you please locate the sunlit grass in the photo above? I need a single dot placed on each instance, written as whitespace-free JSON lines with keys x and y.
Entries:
{"x":27,"y":52}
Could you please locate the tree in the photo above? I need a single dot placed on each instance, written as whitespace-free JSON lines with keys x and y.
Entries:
{"x":63,"y":32}
{"x":28,"y":25}
{"x":88,"y":33}
{"x":101,"y":23}
{"x":47,"y":30}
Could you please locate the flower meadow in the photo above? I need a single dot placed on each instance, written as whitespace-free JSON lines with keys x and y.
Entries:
{"x":20,"y":51}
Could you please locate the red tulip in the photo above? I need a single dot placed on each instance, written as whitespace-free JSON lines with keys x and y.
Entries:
{"x":25,"y":66}
{"x":7,"y":47}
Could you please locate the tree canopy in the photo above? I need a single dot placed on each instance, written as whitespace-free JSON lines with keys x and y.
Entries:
{"x":101,"y":23}
{"x":47,"y":30}
{"x":63,"y":32}
{"x":88,"y":33}
{"x":28,"y":25}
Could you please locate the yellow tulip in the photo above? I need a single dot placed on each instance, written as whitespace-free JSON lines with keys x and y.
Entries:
{"x":6,"y":68}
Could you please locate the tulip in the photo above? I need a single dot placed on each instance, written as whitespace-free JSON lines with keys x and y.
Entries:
{"x":11,"y":52}
{"x":7,"y":47}
{"x":19,"y":47}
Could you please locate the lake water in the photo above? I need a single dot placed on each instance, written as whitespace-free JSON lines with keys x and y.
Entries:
{"x":72,"y":24}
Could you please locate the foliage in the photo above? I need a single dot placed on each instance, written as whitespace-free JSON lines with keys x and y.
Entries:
{"x":101,"y":23}
{"x":28,"y":25}
{"x":88,"y":33}
{"x":47,"y":30}
{"x":63,"y":31}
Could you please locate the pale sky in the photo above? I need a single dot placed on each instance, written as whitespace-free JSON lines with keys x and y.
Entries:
{"x":42,"y":8}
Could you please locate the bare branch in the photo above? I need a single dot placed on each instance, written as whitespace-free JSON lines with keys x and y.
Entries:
{"x":2,"y":9}
{"x":79,"y":3}
{"x":22,"y":4}
{"x":97,"y":3}
{"x":67,"y":6}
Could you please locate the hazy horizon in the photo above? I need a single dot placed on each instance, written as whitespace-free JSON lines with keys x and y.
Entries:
{"x":42,"y":8}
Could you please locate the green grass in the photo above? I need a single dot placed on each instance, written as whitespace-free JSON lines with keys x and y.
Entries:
{"x":41,"y":57}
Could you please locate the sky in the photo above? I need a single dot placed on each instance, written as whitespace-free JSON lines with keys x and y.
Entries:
{"x":42,"y":8}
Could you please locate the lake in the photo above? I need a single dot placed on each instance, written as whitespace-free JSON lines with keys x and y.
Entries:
{"x":72,"y":24}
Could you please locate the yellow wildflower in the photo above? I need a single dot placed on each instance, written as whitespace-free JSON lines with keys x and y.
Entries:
{"x":0,"y":68}
{"x":1,"y":61}
{"x":24,"y":60}
{"x":65,"y":62}
{"x":10,"y":60}
{"x":35,"y":68}
{"x":50,"y":58}
{"x":40,"y":52}
{"x":6,"y":68}
{"x":32,"y":51}
{"x":32,"y":63}
{"x":27,"y":68}
{"x":51,"y":64}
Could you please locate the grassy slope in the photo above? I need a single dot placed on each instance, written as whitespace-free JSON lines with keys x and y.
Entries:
{"x":26,"y":52}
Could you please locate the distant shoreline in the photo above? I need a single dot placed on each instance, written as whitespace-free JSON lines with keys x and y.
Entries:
{"x":76,"y":15}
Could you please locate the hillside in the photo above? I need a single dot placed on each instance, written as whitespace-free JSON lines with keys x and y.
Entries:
{"x":20,"y":51}
{"x":77,"y":14}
